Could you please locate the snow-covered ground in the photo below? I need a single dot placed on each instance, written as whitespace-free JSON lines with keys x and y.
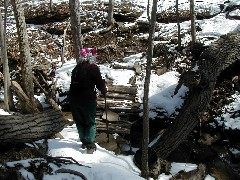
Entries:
{"x":104,"y":164}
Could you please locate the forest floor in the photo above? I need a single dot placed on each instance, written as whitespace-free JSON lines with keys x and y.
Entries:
{"x":205,"y":144}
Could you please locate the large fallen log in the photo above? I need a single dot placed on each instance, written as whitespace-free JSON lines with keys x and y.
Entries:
{"x":30,"y":127}
{"x":212,"y":62}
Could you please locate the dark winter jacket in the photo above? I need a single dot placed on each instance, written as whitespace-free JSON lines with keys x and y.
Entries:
{"x":95,"y":80}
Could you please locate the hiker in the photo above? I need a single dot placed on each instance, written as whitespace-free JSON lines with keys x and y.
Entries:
{"x":86,"y":77}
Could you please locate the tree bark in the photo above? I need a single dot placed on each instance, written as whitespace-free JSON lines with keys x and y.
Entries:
{"x":64,"y":43}
{"x":75,"y":27}
{"x":26,"y":105}
{"x":213,"y":60}
{"x":50,"y":5}
{"x":193,"y":25}
{"x":25,"y":55}
{"x":6,"y":69}
{"x":5,"y":64}
{"x":179,"y":26}
{"x":145,"y":168}
{"x":48,"y":95}
{"x":30,"y":127}
{"x":110,"y":12}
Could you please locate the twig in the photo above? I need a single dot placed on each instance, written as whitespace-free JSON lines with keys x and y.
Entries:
{"x":57,"y":159}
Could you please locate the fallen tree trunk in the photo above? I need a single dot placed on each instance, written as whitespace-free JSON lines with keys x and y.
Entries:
{"x":27,"y":106}
{"x":30,"y":127}
{"x":213,"y":60}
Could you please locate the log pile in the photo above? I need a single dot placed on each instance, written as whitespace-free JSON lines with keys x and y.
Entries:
{"x":119,"y":127}
{"x":121,"y":100}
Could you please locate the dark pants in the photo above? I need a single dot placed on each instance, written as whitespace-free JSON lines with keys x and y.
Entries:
{"x":84,"y":114}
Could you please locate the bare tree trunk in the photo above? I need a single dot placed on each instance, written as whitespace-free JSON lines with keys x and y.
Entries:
{"x":50,"y":6}
{"x":148,"y":11}
{"x":193,"y":25}
{"x":25,"y":55}
{"x":8,"y":97}
{"x":145,"y":170}
{"x":10,"y":94}
{"x":110,"y":12}
{"x":64,"y":42}
{"x":1,"y":41}
{"x":178,"y":25}
{"x":5,"y":63}
{"x":75,"y":27}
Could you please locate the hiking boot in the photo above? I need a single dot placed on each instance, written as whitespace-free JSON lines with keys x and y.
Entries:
{"x":91,"y":148}
{"x":84,"y":145}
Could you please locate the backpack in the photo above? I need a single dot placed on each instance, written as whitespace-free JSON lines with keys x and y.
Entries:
{"x":79,"y":78}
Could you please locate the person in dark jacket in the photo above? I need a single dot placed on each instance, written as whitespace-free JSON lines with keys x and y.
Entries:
{"x":83,"y":100}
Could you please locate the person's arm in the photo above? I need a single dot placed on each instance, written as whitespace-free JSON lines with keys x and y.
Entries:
{"x":98,"y":80}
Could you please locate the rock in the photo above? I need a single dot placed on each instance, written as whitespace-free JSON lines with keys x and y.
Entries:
{"x":102,"y":140}
{"x":196,"y":174}
{"x":208,"y":139}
